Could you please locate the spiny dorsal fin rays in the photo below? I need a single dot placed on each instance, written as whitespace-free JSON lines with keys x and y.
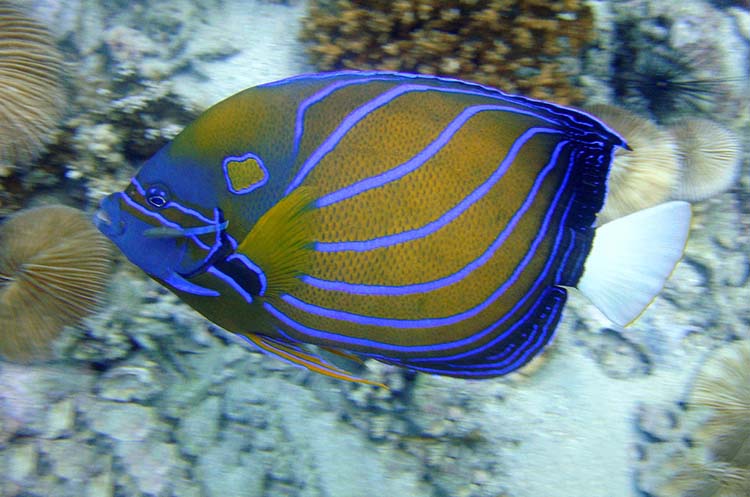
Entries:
{"x":296,"y":355}
{"x":280,"y":242}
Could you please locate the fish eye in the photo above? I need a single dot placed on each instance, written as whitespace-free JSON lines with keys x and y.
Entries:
{"x":157,"y":197}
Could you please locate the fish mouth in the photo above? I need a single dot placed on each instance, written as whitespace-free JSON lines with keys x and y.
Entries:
{"x":107,"y":218}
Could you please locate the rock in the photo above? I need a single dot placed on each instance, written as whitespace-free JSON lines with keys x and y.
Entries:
{"x":60,"y":419}
{"x":136,"y":382}
{"x":656,"y":422}
{"x":152,"y":465}
{"x":70,"y":459}
{"x":241,"y":400}
{"x":101,"y":485}
{"x":222,"y":476}
{"x":122,"y":422}
{"x":20,"y":462}
{"x":27,"y":391}
{"x":198,"y":429}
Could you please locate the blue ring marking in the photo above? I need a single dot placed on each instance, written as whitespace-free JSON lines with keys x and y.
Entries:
{"x":446,"y":218}
{"x":330,"y":143}
{"x":325,"y":335}
{"x":565,"y":114}
{"x":415,"y":162}
{"x":365,"y":289}
{"x":242,"y":158}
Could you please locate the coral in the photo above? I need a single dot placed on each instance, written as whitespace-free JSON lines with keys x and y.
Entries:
{"x":54,"y":266}
{"x":526,"y":46}
{"x":723,"y":470}
{"x":710,"y":156}
{"x":641,"y":177}
{"x":31,"y":93}
{"x":678,"y":58}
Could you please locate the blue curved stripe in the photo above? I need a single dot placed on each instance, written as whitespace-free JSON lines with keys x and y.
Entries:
{"x":364,"y":289}
{"x":418,"y":160}
{"x":566,"y":116}
{"x":351,"y":120}
{"x":161,"y":219}
{"x":507,"y":364}
{"x":449,"y":216}
{"x":173,"y":205}
{"x":299,"y":122}
{"x":229,"y":281}
{"x":325,"y":335}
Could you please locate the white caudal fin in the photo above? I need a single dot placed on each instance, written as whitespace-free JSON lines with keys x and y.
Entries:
{"x":631,"y":259}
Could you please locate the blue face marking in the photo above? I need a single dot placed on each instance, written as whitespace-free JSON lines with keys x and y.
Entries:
{"x":156,"y":256}
{"x":244,"y":173}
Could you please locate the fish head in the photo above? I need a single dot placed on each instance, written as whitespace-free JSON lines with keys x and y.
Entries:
{"x":169,"y":222}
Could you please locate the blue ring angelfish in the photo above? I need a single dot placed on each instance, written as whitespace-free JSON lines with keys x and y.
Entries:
{"x":425,"y":222}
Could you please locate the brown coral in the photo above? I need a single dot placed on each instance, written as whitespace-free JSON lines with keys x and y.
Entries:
{"x":723,"y":468}
{"x":710,"y":155}
{"x":31,"y":93}
{"x":54,"y":266}
{"x":525,"y":46}
{"x":643,"y":176}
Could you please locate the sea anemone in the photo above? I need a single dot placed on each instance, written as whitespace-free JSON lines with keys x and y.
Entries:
{"x":710,"y":156}
{"x":31,"y":93}
{"x":644,"y":176}
{"x":54,"y":266}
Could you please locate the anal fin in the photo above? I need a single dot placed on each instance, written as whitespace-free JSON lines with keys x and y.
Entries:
{"x":295,"y":354}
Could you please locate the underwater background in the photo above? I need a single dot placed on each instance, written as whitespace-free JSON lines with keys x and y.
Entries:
{"x":119,"y":389}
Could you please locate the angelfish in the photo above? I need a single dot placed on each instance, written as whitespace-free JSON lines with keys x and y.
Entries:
{"x":424,"y":222}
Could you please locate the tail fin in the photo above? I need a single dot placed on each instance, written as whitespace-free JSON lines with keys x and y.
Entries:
{"x":631,"y":259}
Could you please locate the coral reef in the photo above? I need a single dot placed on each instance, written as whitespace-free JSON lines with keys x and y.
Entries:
{"x":710,"y":156}
{"x":522,"y":46}
{"x":31,"y":92}
{"x":149,"y":399}
{"x":54,"y":266}
{"x":717,"y":462}
{"x":678,"y":58}
{"x":644,"y":176}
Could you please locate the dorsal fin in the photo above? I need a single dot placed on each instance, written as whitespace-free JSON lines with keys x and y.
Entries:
{"x":281,"y":240}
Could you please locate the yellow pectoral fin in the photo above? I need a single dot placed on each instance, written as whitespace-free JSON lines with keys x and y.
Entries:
{"x":296,"y":355}
{"x":281,"y":241}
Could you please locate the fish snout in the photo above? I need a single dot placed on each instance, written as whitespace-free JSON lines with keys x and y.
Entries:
{"x":108,"y":219}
